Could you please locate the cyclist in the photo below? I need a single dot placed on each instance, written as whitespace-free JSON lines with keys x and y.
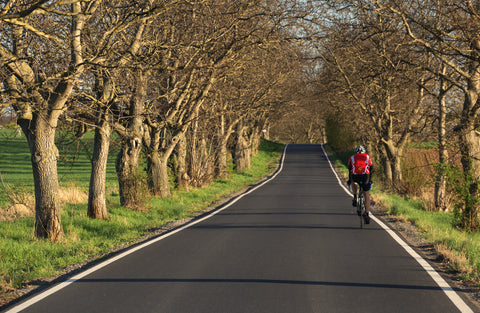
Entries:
{"x":360,"y":170}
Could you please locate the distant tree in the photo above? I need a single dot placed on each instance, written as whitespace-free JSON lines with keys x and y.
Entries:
{"x":376,"y":85}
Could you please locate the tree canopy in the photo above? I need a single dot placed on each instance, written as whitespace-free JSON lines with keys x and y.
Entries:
{"x":189,"y":83}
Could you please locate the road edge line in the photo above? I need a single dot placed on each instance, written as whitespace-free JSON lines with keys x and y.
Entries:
{"x":44,"y":294}
{"x":439,"y":280}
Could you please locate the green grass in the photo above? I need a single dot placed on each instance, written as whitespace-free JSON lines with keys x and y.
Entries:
{"x":461,"y":249}
{"x":15,"y":165}
{"x":73,"y":165}
{"x":24,"y":258}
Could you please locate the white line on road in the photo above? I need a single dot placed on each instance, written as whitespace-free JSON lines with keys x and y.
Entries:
{"x":95,"y":268}
{"x":454,"y":297}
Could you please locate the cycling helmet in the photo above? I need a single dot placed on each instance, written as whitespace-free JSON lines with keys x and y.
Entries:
{"x":360,"y":149}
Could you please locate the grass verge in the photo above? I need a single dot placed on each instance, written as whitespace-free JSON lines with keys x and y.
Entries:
{"x":24,"y":258}
{"x":459,"y":249}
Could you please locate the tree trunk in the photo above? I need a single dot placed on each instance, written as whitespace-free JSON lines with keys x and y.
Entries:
{"x":470,"y":144}
{"x":255,"y":140}
{"x":393,"y":161}
{"x":221,"y":151}
{"x":153,"y":169}
{"x":441,"y":181}
{"x":181,"y":176}
{"x":159,"y":149}
{"x":97,"y":207}
{"x":163,"y":175}
{"x":387,"y":169}
{"x":205,"y":170}
{"x":41,"y":140}
{"x":397,"y":175}
{"x":126,"y":167}
{"x":470,"y":148}
{"x":129,"y":182}
{"x":242,"y":155}
{"x":158,"y":173}
{"x":193,"y":154}
{"x":221,"y":169}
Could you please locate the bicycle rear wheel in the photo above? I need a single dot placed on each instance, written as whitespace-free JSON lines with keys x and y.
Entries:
{"x":361,"y":209}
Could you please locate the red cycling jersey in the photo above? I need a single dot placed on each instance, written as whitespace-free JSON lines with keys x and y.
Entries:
{"x":359,"y":164}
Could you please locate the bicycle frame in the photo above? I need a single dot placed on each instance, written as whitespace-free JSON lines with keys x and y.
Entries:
{"x":361,"y":205}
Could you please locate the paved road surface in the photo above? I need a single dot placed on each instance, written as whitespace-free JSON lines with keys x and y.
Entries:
{"x":292,"y":245}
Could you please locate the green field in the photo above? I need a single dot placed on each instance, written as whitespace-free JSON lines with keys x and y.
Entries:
{"x":73,"y":164}
{"x":24,"y":258}
{"x":15,"y":165}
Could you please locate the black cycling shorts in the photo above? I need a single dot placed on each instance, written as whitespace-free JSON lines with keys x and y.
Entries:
{"x":363,"y":180}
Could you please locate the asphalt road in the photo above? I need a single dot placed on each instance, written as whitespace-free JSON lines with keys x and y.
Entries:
{"x":292,"y":245}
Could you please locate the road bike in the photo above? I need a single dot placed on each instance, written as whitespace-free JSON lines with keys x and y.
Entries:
{"x":361,"y":205}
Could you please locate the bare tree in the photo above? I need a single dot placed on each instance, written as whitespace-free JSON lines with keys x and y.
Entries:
{"x":448,"y":30}
{"x":146,"y":70}
{"x":382,"y":89}
{"x":136,"y":79}
{"x":203,"y":48}
{"x":39,"y":82}
{"x":115,"y":36}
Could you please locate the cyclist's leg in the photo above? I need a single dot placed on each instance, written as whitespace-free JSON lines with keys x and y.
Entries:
{"x":366,"y":192}
{"x":366,"y":195}
{"x":366,"y":216}
{"x":354,"y":190}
